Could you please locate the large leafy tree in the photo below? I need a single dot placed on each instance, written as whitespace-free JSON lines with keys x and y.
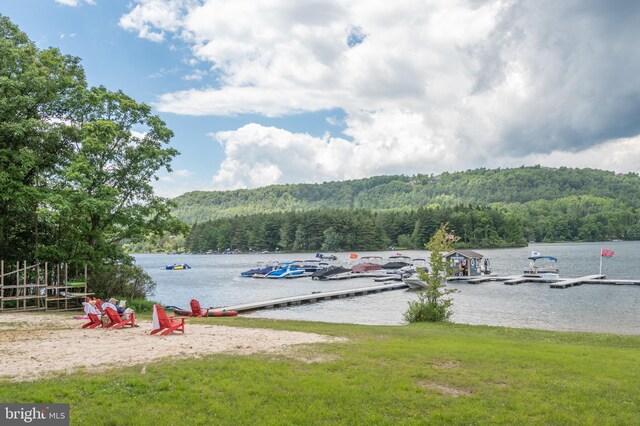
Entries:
{"x":108,"y":197}
{"x":76,"y":164}
{"x":39,"y":90}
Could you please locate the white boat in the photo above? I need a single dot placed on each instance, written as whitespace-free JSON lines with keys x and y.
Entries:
{"x":542,"y":267}
{"x":414,"y":282}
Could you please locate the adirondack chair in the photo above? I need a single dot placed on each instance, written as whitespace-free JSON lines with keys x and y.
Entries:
{"x":196,"y":310}
{"x":94,"y":321}
{"x":116,"y":322}
{"x":99,"y":304}
{"x":165,"y":323}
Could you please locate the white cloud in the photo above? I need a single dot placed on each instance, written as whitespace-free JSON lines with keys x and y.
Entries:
{"x":256,"y":155}
{"x":152,"y":18}
{"x":621,"y":155}
{"x":182,"y":172}
{"x":196,"y":75}
{"x":425,"y":85}
{"x":75,"y":3}
{"x":176,"y":183}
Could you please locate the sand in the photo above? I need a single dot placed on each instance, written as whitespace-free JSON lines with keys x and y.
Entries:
{"x":35,"y":345}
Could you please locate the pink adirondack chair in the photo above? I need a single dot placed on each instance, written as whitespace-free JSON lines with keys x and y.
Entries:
{"x":94,"y":321}
{"x":196,"y":310}
{"x":116,"y":321}
{"x":166,"y":323}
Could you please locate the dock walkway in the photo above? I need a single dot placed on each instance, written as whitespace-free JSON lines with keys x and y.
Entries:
{"x":311,"y":298}
{"x":578,"y":281}
{"x":597,"y":279}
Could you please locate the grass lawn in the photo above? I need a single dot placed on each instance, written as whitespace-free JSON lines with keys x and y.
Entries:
{"x":414,"y":374}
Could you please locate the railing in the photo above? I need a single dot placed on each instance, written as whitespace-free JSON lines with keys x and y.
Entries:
{"x":39,"y":287}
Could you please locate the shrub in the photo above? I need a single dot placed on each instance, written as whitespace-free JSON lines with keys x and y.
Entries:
{"x":124,"y":280}
{"x":140,"y":305}
{"x":432,"y":303}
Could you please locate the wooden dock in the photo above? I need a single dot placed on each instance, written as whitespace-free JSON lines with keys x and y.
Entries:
{"x":520,"y":280}
{"x":553,"y":283}
{"x":311,"y":298}
{"x":598,"y":279}
{"x":484,"y":279}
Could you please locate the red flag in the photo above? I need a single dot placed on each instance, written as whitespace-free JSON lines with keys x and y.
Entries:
{"x":606,"y":253}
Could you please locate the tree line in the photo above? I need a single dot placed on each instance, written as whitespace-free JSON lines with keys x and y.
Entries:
{"x":355,"y":229}
{"x":574,"y":218}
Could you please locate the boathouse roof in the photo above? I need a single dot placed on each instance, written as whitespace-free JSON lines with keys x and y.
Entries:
{"x":469,"y":254}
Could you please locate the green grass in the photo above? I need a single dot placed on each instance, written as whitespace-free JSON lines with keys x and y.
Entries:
{"x":414,"y":374}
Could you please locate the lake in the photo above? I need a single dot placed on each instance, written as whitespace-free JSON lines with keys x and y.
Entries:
{"x":215,"y":281}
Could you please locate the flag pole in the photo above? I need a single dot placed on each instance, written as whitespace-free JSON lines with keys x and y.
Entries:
{"x":600,"y":261}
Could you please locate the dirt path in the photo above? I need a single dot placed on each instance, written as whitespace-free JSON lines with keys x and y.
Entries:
{"x":33,"y":345}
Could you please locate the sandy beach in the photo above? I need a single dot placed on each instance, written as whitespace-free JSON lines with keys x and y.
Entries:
{"x":34,"y":345}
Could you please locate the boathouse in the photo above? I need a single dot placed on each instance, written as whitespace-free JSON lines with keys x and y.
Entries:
{"x":465,"y":263}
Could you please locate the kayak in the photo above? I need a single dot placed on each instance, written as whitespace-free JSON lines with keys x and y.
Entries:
{"x":185,"y":313}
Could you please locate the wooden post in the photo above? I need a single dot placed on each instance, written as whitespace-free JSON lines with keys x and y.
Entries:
{"x":24,"y":285}
{"x":46,"y":285}
{"x":39,"y":299}
{"x":66,"y":289}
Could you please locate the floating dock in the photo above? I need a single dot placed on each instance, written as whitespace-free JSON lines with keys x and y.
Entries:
{"x":311,"y":298}
{"x":520,"y":280}
{"x":553,"y":283}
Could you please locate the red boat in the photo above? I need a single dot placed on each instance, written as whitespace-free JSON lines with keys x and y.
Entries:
{"x":185,"y":313}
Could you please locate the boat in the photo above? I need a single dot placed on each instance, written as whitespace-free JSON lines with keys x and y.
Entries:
{"x":311,"y":265}
{"x":323,"y":256}
{"x":177,"y":267}
{"x":542,"y":267}
{"x":414,"y":282}
{"x":397,"y":262}
{"x":324,"y":274}
{"x":186,"y":313}
{"x":289,"y":270}
{"x":260,"y":270}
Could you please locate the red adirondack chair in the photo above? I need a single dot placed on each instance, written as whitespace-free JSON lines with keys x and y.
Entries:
{"x":167,"y":325}
{"x":94,"y":321}
{"x":99,"y":304}
{"x":116,"y":322}
{"x":196,"y":310}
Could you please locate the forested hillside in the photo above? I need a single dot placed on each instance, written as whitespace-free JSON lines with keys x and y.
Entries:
{"x":485,"y":208}
{"x":356,"y":229}
{"x":476,"y":187}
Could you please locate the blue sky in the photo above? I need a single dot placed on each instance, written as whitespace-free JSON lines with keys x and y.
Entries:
{"x":260,"y":92}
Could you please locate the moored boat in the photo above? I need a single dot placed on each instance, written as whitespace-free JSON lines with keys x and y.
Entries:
{"x":186,"y":313}
{"x":414,"y":282}
{"x":542,"y":267}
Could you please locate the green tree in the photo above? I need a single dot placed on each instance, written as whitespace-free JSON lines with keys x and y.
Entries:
{"x":108,"y":197}
{"x":75,"y":165}
{"x":39,"y":91}
{"x":432,"y":303}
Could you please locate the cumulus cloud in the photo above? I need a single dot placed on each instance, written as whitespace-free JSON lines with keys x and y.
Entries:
{"x":257,"y":155}
{"x":75,"y":3}
{"x":425,"y":85}
{"x":153,"y":18}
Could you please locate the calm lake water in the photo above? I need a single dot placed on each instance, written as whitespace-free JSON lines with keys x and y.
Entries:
{"x":215,"y":281}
